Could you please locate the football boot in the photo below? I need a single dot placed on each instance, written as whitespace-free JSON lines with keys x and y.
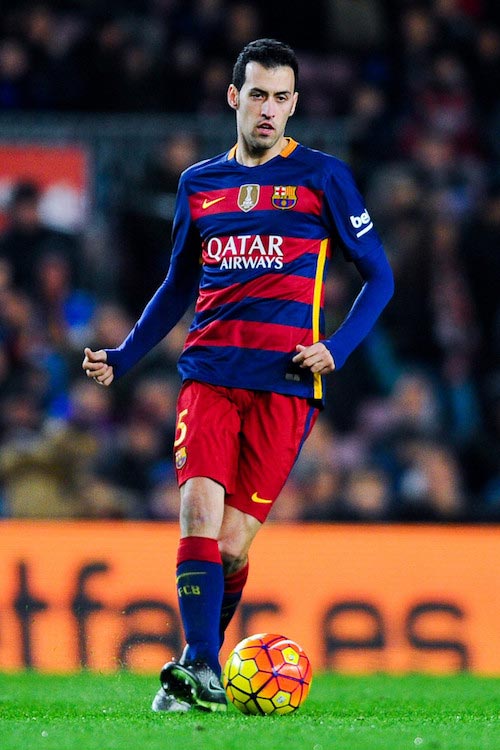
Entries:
{"x":194,"y":683}
{"x":164,"y":701}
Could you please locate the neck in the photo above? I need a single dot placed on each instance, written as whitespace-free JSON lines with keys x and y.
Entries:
{"x":252,"y":157}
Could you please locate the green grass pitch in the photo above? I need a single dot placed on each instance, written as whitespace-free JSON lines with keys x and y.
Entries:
{"x":106,"y":712}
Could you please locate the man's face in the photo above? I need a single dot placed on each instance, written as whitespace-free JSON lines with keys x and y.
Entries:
{"x":263,"y":105}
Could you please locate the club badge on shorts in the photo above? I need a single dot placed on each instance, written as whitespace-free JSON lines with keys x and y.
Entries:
{"x":180,"y":457}
{"x":284,"y":196}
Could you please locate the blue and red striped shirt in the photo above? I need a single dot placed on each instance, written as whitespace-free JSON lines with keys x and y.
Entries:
{"x":253,"y":243}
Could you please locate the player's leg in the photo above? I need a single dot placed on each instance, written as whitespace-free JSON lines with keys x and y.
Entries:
{"x":272,"y":435}
{"x":237,"y":533}
{"x":200,"y":577}
{"x":273,"y":432}
{"x":200,"y":586}
{"x":206,"y":459}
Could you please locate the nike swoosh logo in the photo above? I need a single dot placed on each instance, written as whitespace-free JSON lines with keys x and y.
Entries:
{"x":257,"y":499}
{"x":215,"y":685}
{"x":206,"y":203}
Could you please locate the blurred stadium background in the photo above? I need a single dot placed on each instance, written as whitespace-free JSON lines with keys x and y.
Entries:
{"x":100,"y":110}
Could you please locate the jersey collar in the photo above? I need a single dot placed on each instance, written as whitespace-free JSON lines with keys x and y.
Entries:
{"x":287,"y":150}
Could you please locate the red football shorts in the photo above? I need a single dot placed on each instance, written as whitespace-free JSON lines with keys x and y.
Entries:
{"x":247,"y":441}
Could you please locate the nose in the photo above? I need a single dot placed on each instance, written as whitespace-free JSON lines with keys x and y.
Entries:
{"x":268,"y":108}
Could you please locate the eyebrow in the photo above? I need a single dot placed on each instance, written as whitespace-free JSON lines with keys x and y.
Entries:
{"x":257,"y":90}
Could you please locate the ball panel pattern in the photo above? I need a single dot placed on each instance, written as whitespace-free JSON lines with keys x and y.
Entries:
{"x":267,"y":673}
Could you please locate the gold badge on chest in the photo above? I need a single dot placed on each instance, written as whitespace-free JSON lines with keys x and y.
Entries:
{"x":248,"y":197}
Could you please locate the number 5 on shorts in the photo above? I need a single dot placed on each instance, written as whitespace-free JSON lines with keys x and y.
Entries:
{"x":181,"y":429}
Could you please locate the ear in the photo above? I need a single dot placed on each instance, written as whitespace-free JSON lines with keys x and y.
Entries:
{"x":233,"y":96}
{"x":294,"y":104}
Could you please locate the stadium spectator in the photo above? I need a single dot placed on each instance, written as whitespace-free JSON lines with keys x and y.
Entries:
{"x":14,"y":75}
{"x":163,"y":502}
{"x":134,"y":464}
{"x":479,"y":251}
{"x":320,"y":495}
{"x":365,"y":497}
{"x":430,"y":485}
{"x":44,"y":471}
{"x":27,"y":239}
{"x":64,"y":311}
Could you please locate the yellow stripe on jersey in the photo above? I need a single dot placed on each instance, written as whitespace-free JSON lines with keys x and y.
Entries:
{"x":318,"y":286}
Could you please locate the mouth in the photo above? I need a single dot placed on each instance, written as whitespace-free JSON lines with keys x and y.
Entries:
{"x":265,"y":128}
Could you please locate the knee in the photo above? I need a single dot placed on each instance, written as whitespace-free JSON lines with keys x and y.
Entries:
{"x":201,"y":509}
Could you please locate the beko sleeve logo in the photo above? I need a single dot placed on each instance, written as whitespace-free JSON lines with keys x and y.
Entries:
{"x":362,"y":222}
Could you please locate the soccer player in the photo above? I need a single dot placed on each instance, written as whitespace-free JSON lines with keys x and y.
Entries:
{"x":253,"y":231}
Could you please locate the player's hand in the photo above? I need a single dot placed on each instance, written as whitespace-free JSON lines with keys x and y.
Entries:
{"x":96,"y":367}
{"x":316,"y":358}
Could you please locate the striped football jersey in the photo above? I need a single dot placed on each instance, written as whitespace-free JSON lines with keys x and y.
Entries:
{"x":263,"y":236}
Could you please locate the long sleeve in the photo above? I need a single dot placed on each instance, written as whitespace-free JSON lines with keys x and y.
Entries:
{"x":352,"y":226}
{"x":376,"y":292}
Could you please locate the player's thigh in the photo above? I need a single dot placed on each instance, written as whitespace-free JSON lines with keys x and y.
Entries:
{"x":273,"y":433}
{"x":207,"y":435}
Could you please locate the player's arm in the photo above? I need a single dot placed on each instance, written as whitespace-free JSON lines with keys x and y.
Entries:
{"x":330,"y":354}
{"x":351,"y":223}
{"x":377,"y":290}
{"x":165,"y":308}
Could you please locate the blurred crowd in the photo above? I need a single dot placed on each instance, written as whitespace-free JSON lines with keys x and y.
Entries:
{"x":411,"y":430}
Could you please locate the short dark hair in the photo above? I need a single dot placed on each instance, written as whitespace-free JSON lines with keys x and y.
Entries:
{"x":270,"y":53}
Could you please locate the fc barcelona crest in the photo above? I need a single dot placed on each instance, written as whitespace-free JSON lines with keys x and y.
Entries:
{"x":180,"y":457}
{"x":284,"y":196}
{"x":248,"y":197}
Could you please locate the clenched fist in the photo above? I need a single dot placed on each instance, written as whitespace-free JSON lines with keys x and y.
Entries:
{"x":96,"y":366}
